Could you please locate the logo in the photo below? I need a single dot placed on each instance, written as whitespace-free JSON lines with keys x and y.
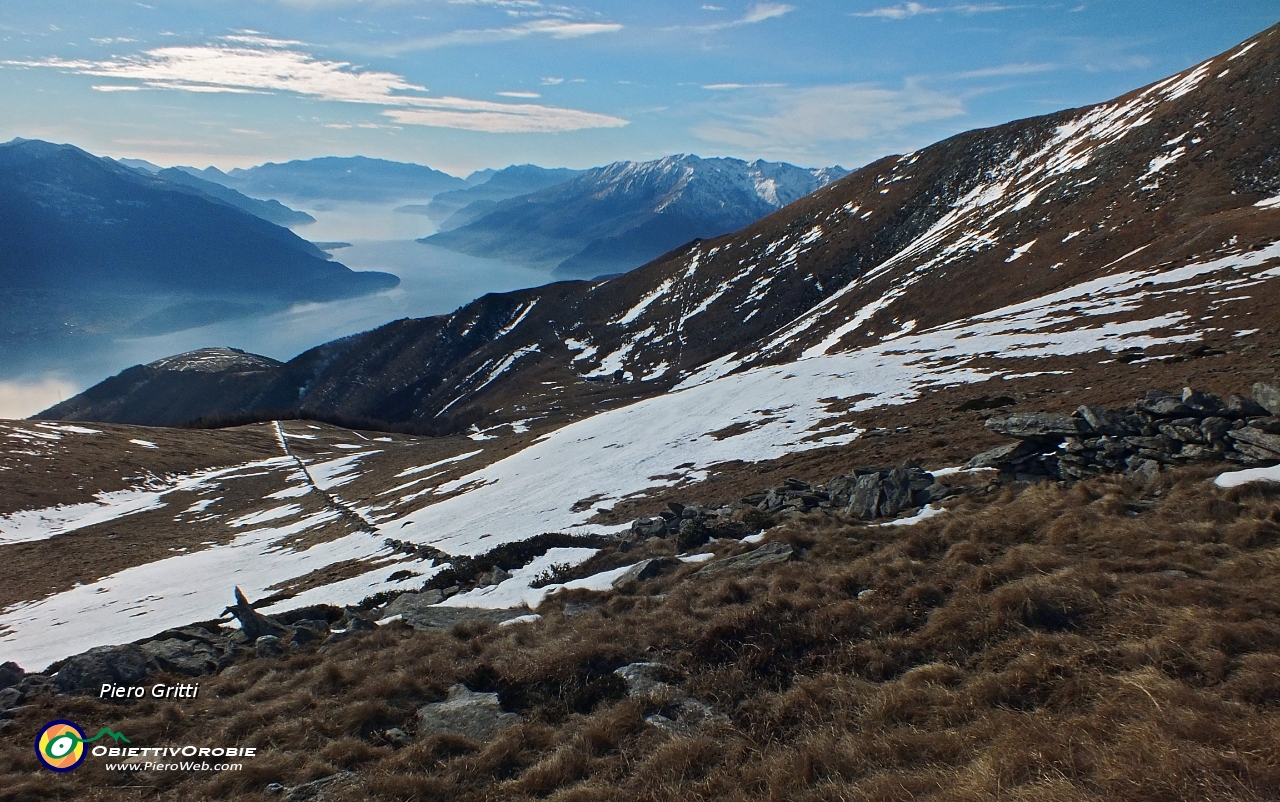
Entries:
{"x":60,"y":744}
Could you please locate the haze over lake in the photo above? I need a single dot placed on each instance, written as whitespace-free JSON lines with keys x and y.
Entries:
{"x":433,"y":281}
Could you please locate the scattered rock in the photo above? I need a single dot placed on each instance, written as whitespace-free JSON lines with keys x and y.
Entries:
{"x":322,"y":790}
{"x":429,"y":617}
{"x":1024,"y":425}
{"x":118,"y":665}
{"x":10,"y":674}
{"x":645,"y":569}
{"x":768,"y":554}
{"x":1268,"y":397}
{"x":410,"y":601}
{"x":397,"y":737}
{"x":190,"y":658}
{"x":476,"y":716}
{"x":268,"y":646}
{"x":645,"y":679}
{"x":494,"y":576}
{"x":253,"y":623}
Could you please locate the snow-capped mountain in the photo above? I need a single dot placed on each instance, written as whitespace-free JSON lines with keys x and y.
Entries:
{"x":1075,"y":258}
{"x":617,"y":217}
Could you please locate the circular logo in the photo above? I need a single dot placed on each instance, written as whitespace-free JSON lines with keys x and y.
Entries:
{"x":60,"y":745}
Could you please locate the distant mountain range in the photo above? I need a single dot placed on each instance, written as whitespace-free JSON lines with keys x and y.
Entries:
{"x":92,"y":247}
{"x":485,"y":190}
{"x":273,"y":211}
{"x":333,"y":178}
{"x":614,"y":218}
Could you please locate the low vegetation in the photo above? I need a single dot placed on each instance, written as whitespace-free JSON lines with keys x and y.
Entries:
{"x":1104,"y":641}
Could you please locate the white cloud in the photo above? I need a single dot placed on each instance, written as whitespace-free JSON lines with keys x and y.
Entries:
{"x":806,"y":118}
{"x":499,"y":118}
{"x":20,"y":399}
{"x":1007,"y":69}
{"x":250,"y":64}
{"x":905,"y":10}
{"x":555,"y":28}
{"x":528,"y":95}
{"x":552,"y":81}
{"x":725,"y":87}
{"x":757,"y":13}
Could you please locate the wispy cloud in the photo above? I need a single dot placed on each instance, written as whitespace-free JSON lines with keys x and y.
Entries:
{"x":727,"y":87}
{"x":805,"y":119}
{"x":905,"y":10}
{"x":527,"y":95}
{"x":247,"y":63}
{"x":554,"y":28}
{"x":1005,"y":70}
{"x":757,"y":13}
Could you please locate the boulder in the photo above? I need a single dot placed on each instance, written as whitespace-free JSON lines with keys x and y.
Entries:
{"x":1267,"y":396}
{"x":1215,"y":429}
{"x":895,"y":493}
{"x":1258,"y":439}
{"x":1162,"y":405}
{"x":494,"y":576}
{"x":186,"y":657}
{"x":410,"y":601}
{"x":685,"y":717}
{"x":435,"y":617}
{"x":471,"y":715}
{"x":10,"y":674}
{"x":268,"y":646}
{"x":645,"y":569}
{"x":649,"y":527}
{"x":1239,"y":406}
{"x":118,"y":665}
{"x":768,"y":554}
{"x":1025,"y":425}
{"x":325,"y":789}
{"x":1104,"y":421}
{"x":1202,"y":403}
{"x":646,"y":679}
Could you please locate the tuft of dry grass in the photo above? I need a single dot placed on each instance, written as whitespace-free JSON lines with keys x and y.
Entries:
{"x":1100,"y":642}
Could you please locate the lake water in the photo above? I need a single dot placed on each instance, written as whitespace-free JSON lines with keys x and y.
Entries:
{"x":433,"y":281}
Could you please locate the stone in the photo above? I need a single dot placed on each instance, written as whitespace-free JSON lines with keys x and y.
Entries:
{"x":471,"y":715}
{"x":645,"y":679}
{"x":865,"y":499}
{"x":411,"y":601}
{"x":323,"y":789}
{"x":434,"y":617}
{"x":397,"y":737}
{"x":119,"y":665}
{"x":645,"y":569}
{"x":9,"y":699}
{"x":1215,"y":429}
{"x":309,"y":631}
{"x":1024,"y":425}
{"x":1103,"y":421}
{"x":895,"y":493}
{"x":1202,"y":403}
{"x":494,"y":576}
{"x":1162,"y":405}
{"x":1267,"y":396}
{"x":1143,"y":470}
{"x":685,"y":717}
{"x":1258,"y":439}
{"x":649,"y":527}
{"x":268,"y":646}
{"x":1270,"y":425}
{"x":253,"y":623}
{"x":1239,"y":406}
{"x":1184,"y":434}
{"x":185,"y":657}
{"x":768,"y":554}
{"x":10,"y":674}
{"x":358,"y":622}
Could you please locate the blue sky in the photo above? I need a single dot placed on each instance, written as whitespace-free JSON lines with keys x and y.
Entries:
{"x":466,"y":84}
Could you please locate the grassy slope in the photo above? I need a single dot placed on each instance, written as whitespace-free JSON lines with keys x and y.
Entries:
{"x":1033,"y":644}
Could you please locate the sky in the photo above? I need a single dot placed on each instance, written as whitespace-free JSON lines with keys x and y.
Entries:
{"x":462,"y":85}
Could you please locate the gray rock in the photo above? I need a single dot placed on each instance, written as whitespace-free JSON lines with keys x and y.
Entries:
{"x":119,"y":665}
{"x":1239,"y":406}
{"x":1103,"y":421}
{"x":10,"y":674}
{"x":686,"y":717}
{"x":1268,"y":396}
{"x":1202,"y":403}
{"x":268,"y":646}
{"x":323,"y":789}
{"x":309,"y":631}
{"x":1163,"y":405}
{"x":397,"y":737}
{"x":1215,"y":429}
{"x":1143,"y":470}
{"x":476,"y":716}
{"x":410,"y":601}
{"x":649,"y":527}
{"x":865,"y":499}
{"x":768,"y":554}
{"x":494,"y":576}
{"x":1258,"y":439}
{"x":645,"y":569}
{"x":9,"y":699}
{"x":253,"y":623}
{"x":895,"y":493}
{"x":185,"y":657}
{"x":1024,"y":425}
{"x":645,"y":679}
{"x":444,"y":618}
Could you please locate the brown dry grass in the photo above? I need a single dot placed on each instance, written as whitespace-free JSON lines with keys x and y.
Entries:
{"x":1092,"y":643}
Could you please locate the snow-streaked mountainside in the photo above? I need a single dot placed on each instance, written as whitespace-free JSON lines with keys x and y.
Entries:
{"x":1082,"y":256}
{"x":485,"y":190}
{"x":617,"y":217}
